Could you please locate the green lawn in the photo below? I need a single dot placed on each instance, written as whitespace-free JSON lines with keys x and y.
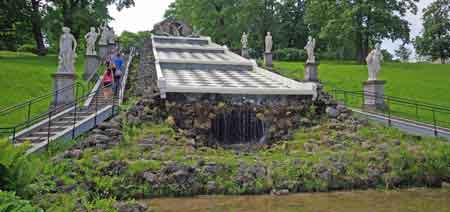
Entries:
{"x":24,"y":76}
{"x":422,"y":82}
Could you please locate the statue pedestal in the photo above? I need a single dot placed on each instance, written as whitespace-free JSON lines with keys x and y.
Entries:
{"x":311,"y":72}
{"x":268,"y":59}
{"x":63,"y":88}
{"x":244,"y":53}
{"x":91,"y":64}
{"x":111,"y":47}
{"x":374,"y":95}
{"x":103,"y":51}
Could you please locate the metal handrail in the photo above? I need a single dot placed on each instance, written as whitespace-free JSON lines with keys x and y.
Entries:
{"x":414,"y":104}
{"x":433,"y":121}
{"x":36,"y":99}
{"x":399,"y":99}
{"x":72,"y":106}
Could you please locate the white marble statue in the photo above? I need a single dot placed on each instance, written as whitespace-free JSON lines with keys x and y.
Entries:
{"x":104,"y":35}
{"x":269,"y":43}
{"x":91,"y":39}
{"x":67,"y":51}
{"x":244,"y":40}
{"x":111,"y":36}
{"x":374,"y":60}
{"x":310,"y":50}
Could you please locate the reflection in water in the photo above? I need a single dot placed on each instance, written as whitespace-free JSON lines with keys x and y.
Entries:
{"x":427,"y":200}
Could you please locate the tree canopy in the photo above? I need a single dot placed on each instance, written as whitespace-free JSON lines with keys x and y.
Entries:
{"x":435,"y":38}
{"x":346,"y":28}
{"x":40,"y":21}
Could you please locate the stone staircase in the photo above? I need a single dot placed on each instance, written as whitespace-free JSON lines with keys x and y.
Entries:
{"x":75,"y":119}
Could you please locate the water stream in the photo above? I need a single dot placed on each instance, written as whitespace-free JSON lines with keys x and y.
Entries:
{"x":427,"y":200}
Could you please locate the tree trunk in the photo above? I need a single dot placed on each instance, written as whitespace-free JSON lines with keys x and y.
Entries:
{"x":36,"y":23}
{"x":360,"y":52}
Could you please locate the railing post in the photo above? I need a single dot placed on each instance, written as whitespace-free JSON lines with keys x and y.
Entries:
{"x":96,"y":107}
{"x":75,"y":117}
{"x":56,"y":99}
{"x":417,"y":111}
{"x":345,"y":98}
{"x":49,"y":128}
{"x":435,"y":123}
{"x":14,"y":136}
{"x":29,"y":113}
{"x":389,"y":112}
{"x":113,"y":100}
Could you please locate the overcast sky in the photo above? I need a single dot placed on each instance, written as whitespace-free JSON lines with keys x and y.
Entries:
{"x":148,"y":12}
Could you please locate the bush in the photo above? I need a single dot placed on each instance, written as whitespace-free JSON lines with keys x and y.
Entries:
{"x":27,"y":48}
{"x":17,"y":170}
{"x":9,"y":202}
{"x":290,"y":54}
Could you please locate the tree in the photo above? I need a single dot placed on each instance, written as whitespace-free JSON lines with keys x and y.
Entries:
{"x":36,"y":23}
{"x":14,"y":24}
{"x":359,"y":22}
{"x":435,"y":38}
{"x":403,"y":53}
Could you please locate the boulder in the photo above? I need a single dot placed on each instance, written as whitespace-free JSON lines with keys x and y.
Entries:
{"x":332,"y":112}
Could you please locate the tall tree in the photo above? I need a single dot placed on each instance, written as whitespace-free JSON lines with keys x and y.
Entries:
{"x":75,"y":10}
{"x":403,"y":53}
{"x":292,"y":14}
{"x":14,"y":18}
{"x":36,"y":23}
{"x":435,"y":38}
{"x":361,"y":21}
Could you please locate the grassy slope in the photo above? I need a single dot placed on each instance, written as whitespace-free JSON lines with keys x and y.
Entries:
{"x":24,"y":76}
{"x":423,"y":82}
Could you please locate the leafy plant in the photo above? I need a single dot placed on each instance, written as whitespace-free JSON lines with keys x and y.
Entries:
{"x":17,"y":170}
{"x":9,"y":202}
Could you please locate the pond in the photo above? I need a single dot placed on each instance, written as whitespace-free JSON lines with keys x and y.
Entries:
{"x":433,"y":200}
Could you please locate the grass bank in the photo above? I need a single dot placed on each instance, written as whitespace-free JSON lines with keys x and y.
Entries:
{"x":422,"y":82}
{"x":25,"y":76}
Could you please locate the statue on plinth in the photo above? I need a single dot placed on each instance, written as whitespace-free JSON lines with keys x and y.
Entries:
{"x":244,"y":40}
{"x":91,"y":39}
{"x":67,"y":51}
{"x":111,"y":36}
{"x":310,"y":50}
{"x":269,"y":43}
{"x":104,"y":35}
{"x":374,"y":60}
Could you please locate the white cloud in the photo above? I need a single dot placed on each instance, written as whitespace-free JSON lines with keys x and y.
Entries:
{"x":142,"y":17}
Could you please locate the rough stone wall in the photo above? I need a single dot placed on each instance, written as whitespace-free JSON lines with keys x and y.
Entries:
{"x":146,"y":73}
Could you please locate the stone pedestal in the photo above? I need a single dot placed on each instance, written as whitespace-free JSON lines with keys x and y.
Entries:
{"x":311,"y":72}
{"x":111,"y":47}
{"x":244,"y":53}
{"x":91,"y":64}
{"x":63,"y":87}
{"x":374,"y":95}
{"x":268,"y":59}
{"x":102,"y":51}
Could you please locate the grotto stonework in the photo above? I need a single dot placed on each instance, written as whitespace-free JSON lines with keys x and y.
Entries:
{"x":224,"y":119}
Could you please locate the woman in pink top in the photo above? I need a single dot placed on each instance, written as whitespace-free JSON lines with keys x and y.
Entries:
{"x":108,"y":80}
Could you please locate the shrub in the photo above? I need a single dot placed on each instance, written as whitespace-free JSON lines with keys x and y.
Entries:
{"x":290,"y":54}
{"x":17,"y":170}
{"x":26,"y":48}
{"x":9,"y":202}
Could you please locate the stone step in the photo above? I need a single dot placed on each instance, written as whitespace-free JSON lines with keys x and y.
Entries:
{"x":32,"y":139}
{"x":42,"y":134}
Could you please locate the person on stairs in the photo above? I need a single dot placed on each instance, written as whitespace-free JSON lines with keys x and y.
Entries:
{"x":108,"y":80}
{"x":117,"y":82}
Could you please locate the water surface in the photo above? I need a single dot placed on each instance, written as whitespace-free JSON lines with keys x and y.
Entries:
{"x":427,"y":200}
